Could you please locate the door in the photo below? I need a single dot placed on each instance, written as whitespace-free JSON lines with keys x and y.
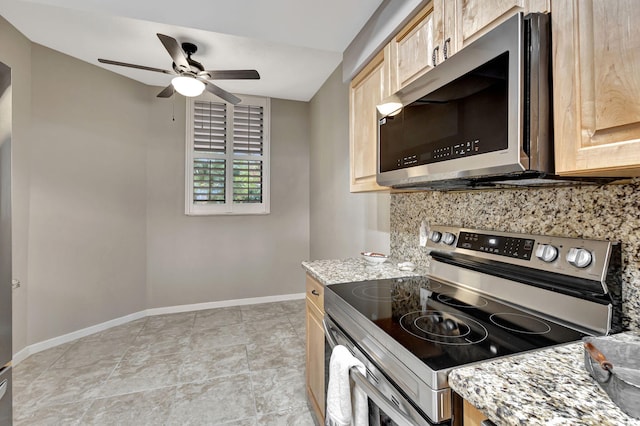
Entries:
{"x":596,"y":52}
{"x":413,"y":48}
{"x":367,"y":89}
{"x":5,"y":215}
{"x":387,"y":405}
{"x":477,"y":17}
{"x":5,"y":245}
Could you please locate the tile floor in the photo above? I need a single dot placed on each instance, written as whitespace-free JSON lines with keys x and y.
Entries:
{"x":233,"y":366}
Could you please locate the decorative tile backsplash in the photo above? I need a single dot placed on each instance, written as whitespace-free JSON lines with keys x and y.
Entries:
{"x":610,"y":212}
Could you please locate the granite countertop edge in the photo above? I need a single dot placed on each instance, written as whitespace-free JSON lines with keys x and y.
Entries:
{"x":335,"y":271}
{"x":549,"y":387}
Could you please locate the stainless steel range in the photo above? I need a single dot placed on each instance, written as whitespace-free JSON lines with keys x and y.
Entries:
{"x":488,"y":294}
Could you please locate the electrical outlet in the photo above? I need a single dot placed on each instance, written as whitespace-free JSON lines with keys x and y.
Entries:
{"x":424,"y":231}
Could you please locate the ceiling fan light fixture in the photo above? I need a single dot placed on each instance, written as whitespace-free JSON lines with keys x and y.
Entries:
{"x":188,"y":86}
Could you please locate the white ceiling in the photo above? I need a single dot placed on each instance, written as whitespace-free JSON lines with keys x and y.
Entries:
{"x":294,"y":44}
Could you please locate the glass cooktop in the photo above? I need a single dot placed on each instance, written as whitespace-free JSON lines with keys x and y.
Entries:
{"x":446,"y":326}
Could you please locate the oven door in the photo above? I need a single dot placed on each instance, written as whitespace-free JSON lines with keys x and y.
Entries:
{"x":387,"y":406}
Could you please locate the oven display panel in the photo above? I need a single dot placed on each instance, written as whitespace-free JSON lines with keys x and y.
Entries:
{"x":521,"y":248}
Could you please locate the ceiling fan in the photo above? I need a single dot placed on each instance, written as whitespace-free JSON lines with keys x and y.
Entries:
{"x":191,"y":79}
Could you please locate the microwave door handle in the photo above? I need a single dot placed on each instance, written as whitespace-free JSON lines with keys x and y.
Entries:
{"x":379,"y":399}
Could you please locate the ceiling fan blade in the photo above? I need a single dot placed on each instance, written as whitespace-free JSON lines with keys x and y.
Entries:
{"x":234,"y":75}
{"x":140,"y":67}
{"x":221,"y":93}
{"x":167,"y":92}
{"x":176,"y":52}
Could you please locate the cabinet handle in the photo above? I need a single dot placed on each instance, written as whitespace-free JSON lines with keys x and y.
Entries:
{"x":315,"y":293}
{"x":444,"y":47}
{"x":434,"y":56}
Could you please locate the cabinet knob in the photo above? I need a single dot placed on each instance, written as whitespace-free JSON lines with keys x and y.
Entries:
{"x":446,"y":43}
{"x":315,"y":293}
{"x":434,"y":55}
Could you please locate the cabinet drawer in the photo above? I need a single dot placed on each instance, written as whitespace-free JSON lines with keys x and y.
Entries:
{"x":315,"y":293}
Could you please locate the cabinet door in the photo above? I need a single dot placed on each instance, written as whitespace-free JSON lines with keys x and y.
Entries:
{"x":367,"y":89}
{"x":596,"y":66}
{"x":476,"y":17}
{"x":315,"y":360}
{"x":413,"y":47}
{"x":446,"y":33}
{"x":471,"y":415}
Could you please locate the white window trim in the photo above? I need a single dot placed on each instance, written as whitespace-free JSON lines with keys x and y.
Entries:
{"x":229,"y":207}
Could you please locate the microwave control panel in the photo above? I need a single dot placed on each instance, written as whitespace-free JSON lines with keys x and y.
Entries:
{"x":464,"y":149}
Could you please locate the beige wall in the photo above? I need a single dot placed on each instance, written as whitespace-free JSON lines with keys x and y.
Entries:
{"x":79,"y":186}
{"x":342,"y":224}
{"x":216,"y":258}
{"x":87,"y":215}
{"x":98,"y":217}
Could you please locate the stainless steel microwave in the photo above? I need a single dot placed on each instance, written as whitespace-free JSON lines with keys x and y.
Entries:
{"x":481,"y":117}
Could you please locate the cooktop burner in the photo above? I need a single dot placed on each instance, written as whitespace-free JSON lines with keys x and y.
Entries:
{"x":450,"y":299}
{"x":444,"y":328}
{"x":447,"y":326}
{"x":520,"y":323}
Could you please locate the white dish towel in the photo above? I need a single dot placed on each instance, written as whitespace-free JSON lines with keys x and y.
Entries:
{"x":347,"y":404}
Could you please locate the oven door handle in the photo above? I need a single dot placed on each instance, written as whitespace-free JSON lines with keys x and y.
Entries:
{"x":328,"y":334}
{"x":379,"y":399}
{"x":368,"y":388}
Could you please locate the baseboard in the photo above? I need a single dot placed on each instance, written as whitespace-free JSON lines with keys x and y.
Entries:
{"x":223,"y":304}
{"x":59,"y":340}
{"x":24,"y":353}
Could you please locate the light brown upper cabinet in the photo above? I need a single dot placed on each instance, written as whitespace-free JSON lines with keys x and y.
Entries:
{"x":596,"y":68}
{"x":446,"y":34}
{"x":367,"y":89}
{"x":412,"y":47}
{"x":427,"y":40}
{"x":444,"y":27}
{"x":477,"y":17}
{"x":438,"y":31}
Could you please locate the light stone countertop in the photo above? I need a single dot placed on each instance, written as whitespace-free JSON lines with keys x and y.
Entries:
{"x":334,"y":271}
{"x":547,"y":387}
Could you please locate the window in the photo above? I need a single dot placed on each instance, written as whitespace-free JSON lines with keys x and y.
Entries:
{"x":227,"y":156}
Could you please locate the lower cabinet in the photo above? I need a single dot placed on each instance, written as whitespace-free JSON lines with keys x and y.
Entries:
{"x":465,"y":414}
{"x":471,"y":416}
{"x":315,"y":374}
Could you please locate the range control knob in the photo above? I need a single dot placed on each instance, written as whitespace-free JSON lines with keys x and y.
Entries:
{"x":579,"y":257}
{"x":547,"y":253}
{"x":448,"y":238}
{"x":435,"y":236}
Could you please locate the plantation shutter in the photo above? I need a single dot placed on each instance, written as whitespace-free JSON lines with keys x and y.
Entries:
{"x":209,"y":143}
{"x":209,"y":127}
{"x":248,"y":142}
{"x":227,"y":156}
